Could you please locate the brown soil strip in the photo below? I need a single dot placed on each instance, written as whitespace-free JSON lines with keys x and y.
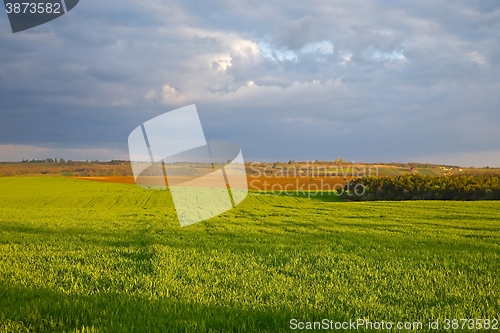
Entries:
{"x":269,"y":183}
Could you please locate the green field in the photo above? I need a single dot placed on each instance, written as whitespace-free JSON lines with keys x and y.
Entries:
{"x":387,"y":172}
{"x":427,"y":172}
{"x":81,"y":256}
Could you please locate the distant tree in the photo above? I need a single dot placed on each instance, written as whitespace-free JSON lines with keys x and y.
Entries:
{"x":417,"y":187}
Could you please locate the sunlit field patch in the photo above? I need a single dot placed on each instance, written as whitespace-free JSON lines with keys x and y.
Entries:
{"x":79,"y":256}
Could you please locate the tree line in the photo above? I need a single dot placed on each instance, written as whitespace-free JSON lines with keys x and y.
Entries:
{"x":418,"y":187}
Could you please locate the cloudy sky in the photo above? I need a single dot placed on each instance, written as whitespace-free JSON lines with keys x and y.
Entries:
{"x":367,"y":80}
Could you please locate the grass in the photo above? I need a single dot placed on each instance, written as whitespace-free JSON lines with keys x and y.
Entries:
{"x":385,"y":172}
{"x":81,"y":256}
{"x":427,"y":172}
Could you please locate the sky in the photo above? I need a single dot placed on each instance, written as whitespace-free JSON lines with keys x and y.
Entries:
{"x":367,"y":80}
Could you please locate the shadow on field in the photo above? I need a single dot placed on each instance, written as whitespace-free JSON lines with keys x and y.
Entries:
{"x":39,"y":310}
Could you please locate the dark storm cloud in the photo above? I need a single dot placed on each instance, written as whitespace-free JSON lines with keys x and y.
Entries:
{"x":367,"y":80}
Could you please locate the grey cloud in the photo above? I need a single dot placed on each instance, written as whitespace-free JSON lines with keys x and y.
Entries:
{"x":296,"y":34}
{"x":488,"y":6}
{"x":401,"y":80}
